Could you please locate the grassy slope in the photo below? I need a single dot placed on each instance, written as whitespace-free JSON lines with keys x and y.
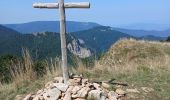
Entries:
{"x":139,"y":64}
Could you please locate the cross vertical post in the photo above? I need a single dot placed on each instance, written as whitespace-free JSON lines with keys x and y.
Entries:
{"x":61,"y":5}
{"x":63,"y":40}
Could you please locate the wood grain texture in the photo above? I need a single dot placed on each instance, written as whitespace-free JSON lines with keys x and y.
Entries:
{"x":66,"y":5}
{"x":63,"y":41}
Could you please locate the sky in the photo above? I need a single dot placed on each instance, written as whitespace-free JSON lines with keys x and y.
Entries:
{"x":105,"y":12}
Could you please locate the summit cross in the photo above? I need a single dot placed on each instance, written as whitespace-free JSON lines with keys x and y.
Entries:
{"x":61,"y":6}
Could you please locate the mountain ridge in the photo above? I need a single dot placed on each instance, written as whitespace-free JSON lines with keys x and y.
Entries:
{"x":74,"y":26}
{"x":141,"y":33}
{"x":51,"y":26}
{"x":98,"y":39}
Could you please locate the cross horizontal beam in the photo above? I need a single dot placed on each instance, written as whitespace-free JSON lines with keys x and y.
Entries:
{"x":66,"y":5}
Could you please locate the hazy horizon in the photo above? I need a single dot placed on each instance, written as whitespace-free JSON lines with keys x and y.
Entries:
{"x":109,"y":13}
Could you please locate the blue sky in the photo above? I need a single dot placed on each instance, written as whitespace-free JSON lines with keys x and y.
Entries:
{"x":105,"y":12}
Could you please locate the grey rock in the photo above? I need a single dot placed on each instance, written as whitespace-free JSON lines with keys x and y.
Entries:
{"x":61,"y":86}
{"x":112,"y":95}
{"x":97,"y":94}
{"x":83,"y":92}
{"x":67,"y":96}
{"x":52,"y":94}
{"x":76,"y":48}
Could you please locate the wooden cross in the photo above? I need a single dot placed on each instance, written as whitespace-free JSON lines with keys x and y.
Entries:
{"x":61,"y":5}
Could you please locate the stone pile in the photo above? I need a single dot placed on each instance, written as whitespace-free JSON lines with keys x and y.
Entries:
{"x":76,"y":89}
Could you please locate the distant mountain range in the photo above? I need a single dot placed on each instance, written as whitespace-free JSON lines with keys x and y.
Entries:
{"x":50,"y":26}
{"x":53,"y":26}
{"x":146,"y":26}
{"x":152,"y":38}
{"x":141,"y":33}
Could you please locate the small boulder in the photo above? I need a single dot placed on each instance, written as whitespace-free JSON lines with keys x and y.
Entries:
{"x":75,"y":89}
{"x":132,"y":91}
{"x":105,"y":85}
{"x":96,"y":94}
{"x":120,"y":92}
{"x":61,"y":86}
{"x":67,"y":96}
{"x":77,"y":80}
{"x":112,"y":95}
{"x":70,"y":88}
{"x":85,"y":81}
{"x":52,"y":94}
{"x":39,"y":92}
{"x":83,"y":92}
{"x":80,"y":99}
{"x":97,"y":86}
{"x":72,"y":82}
{"x":28,"y":97}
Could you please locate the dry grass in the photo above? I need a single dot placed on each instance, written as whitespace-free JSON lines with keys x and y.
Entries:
{"x":139,"y":64}
{"x":128,"y":54}
{"x":25,"y":79}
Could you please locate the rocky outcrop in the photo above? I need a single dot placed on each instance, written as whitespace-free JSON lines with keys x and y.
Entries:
{"x":77,"y":47}
{"x":76,"y":89}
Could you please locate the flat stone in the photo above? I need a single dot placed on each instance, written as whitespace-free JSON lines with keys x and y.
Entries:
{"x":80,"y":99}
{"x":70,"y":88}
{"x":97,"y":94}
{"x":105,"y":85}
{"x":112,"y":95}
{"x":97,"y":86}
{"x":120,"y":92}
{"x":132,"y":90}
{"x":74,"y":96}
{"x":45,"y":96}
{"x":77,"y":80}
{"x":39,"y":92}
{"x":61,"y":86}
{"x":75,"y":89}
{"x":83,"y":92}
{"x":72,"y":82}
{"x":28,"y":97}
{"x":103,"y":97}
{"x":77,"y":76}
{"x":37,"y":98}
{"x":52,"y":94}
{"x":85,"y":81}
{"x":67,"y":96}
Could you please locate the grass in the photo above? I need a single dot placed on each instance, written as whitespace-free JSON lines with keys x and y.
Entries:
{"x":135,"y":63}
{"x":25,"y":79}
{"x":156,"y":79}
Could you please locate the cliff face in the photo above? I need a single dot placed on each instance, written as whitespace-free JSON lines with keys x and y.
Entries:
{"x":77,"y":47}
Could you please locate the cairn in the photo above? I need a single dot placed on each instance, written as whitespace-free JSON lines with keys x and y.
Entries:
{"x":76,"y":89}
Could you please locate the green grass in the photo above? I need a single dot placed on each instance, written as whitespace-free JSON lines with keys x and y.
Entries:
{"x":144,"y":77}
